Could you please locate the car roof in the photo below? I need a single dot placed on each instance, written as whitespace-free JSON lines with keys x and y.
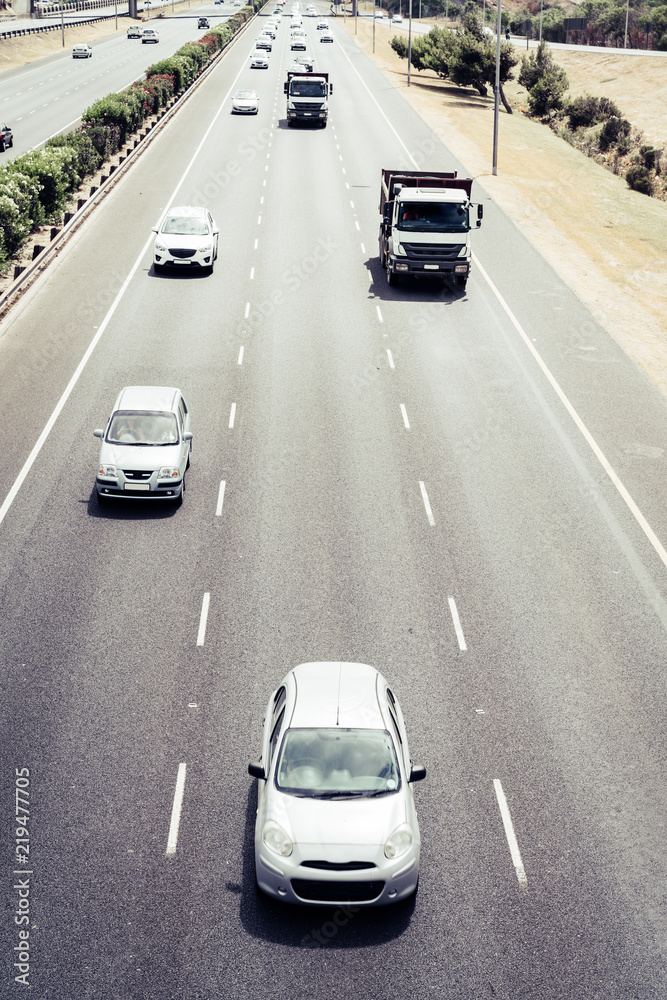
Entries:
{"x":332,"y":694}
{"x":147,"y":397}
{"x":196,"y":211}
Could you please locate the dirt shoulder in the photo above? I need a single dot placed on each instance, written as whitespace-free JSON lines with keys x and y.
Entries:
{"x":609,"y":244}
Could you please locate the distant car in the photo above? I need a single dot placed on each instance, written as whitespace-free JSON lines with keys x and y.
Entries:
{"x":259,"y":60}
{"x":186,"y":238}
{"x":269,"y":33}
{"x":295,"y":67}
{"x":149,"y":35}
{"x":6,"y":138}
{"x":397,"y":19}
{"x":263,"y":42}
{"x":336,"y":820}
{"x":326,"y":36}
{"x":134,"y":31}
{"x":203,"y":22}
{"x":306,"y":63}
{"x":82,"y":51}
{"x":145,"y":448}
{"x":379,"y":14}
{"x":245,"y":102}
{"x":322,"y":25}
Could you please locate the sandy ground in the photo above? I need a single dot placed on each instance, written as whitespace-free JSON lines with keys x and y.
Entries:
{"x":608,"y":243}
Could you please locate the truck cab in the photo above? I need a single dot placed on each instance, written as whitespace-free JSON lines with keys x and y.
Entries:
{"x":425,"y":226}
{"x":308,"y":97}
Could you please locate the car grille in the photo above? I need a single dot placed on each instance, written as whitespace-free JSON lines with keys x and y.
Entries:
{"x":137,"y":474}
{"x":337,"y":892}
{"x":182,"y":254}
{"x":301,"y":106}
{"x":431,"y":253}
{"x":338,"y":866}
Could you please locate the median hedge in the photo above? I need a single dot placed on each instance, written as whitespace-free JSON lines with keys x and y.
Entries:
{"x":35,"y":187}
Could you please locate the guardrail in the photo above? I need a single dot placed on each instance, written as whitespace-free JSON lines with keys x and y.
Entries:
{"x":40,"y":29}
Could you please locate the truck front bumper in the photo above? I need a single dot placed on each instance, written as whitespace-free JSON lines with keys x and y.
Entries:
{"x":459,"y":268}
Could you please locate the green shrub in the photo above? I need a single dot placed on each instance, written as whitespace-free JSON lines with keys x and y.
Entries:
{"x":87,"y":157}
{"x":647,"y":157}
{"x":20,"y":208}
{"x":587,"y":110}
{"x":639,"y":179}
{"x":613,"y":131}
{"x":55,"y":170}
{"x":114,"y":110}
{"x":547,"y":94}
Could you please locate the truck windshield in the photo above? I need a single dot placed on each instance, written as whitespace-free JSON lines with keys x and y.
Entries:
{"x":308,"y":88}
{"x":437,"y":218}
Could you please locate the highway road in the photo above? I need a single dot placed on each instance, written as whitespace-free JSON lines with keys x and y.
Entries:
{"x":42,"y":99}
{"x":465,"y":490}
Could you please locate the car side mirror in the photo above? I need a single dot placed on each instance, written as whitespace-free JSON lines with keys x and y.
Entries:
{"x":256,"y":771}
{"x":155,"y":229}
{"x":388,"y":211}
{"x":331,"y":88}
{"x":480,"y":213}
{"x":187,"y":436}
{"x":215,"y":232}
{"x":99,"y":433}
{"x":417,"y":772}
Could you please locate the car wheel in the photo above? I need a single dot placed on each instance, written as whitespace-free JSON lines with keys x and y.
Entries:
{"x":179,"y":499}
{"x":2,"y":145}
{"x":392,"y":279}
{"x":158,"y":268}
{"x":101,"y":498}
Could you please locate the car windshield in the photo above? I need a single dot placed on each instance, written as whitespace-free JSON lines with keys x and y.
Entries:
{"x":245,"y":95}
{"x":438,"y":217}
{"x":337,"y":763}
{"x":185,"y":225}
{"x":150,"y":427}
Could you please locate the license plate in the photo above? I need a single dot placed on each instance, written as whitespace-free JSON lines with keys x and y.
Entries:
{"x":306,"y":114}
{"x":431,"y":267}
{"x":145,"y":487}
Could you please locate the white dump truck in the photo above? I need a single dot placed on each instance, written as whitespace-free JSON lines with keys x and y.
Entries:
{"x":426,"y":218}
{"x":308,"y":97}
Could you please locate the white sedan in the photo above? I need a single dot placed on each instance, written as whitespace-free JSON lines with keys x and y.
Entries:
{"x":326,"y":36}
{"x":186,"y":239}
{"x":245,"y":102}
{"x":336,"y":820}
{"x":82,"y":51}
{"x":259,"y":60}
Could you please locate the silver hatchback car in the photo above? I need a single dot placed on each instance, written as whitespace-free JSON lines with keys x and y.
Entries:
{"x":145,"y":448}
{"x":336,"y":820}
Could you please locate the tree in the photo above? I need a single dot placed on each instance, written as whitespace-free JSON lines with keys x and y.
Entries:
{"x":545,"y":81}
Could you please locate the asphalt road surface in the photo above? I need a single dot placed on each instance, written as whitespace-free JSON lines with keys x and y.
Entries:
{"x":465,"y":490}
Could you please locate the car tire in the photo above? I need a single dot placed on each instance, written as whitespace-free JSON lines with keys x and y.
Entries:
{"x":392,"y":279}
{"x":158,"y":268}
{"x":179,"y":499}
{"x":102,"y":499}
{"x":2,"y":145}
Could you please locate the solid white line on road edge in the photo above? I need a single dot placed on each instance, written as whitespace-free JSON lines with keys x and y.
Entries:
{"x":429,"y":512}
{"x":457,"y":623}
{"x":588,"y":437}
{"x":404,"y":412}
{"x":203,"y":618}
{"x":240,"y":361}
{"x":379,"y":312}
{"x":391,"y":359}
{"x":172,"y":839}
{"x":632,"y":506}
{"x":221,"y":498}
{"x":232,"y":414}
{"x":510,"y":834}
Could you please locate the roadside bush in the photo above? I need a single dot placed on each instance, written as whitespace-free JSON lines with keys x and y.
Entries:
{"x":168,"y":67}
{"x":588,"y":110}
{"x":87,"y":157}
{"x":104,"y":138}
{"x":114,"y":110}
{"x":20,"y":208}
{"x":613,"y":131}
{"x":639,"y":179}
{"x":546,"y":94}
{"x":55,"y":170}
{"x":649,"y":158}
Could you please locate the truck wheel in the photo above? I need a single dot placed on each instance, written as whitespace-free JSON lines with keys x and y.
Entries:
{"x":392,"y":279}
{"x":461,"y":283}
{"x":383,"y":257}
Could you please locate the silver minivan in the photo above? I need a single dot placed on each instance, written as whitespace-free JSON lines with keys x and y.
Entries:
{"x":146,"y":446}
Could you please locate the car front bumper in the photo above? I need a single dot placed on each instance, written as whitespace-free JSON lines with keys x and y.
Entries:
{"x":295,"y":883}
{"x":151,"y":489}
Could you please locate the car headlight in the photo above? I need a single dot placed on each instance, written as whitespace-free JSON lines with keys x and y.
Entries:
{"x":399,"y":842}
{"x":109,"y":471}
{"x":160,"y":248}
{"x":169,"y":472}
{"x":206,"y":249}
{"x":276,"y":839}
